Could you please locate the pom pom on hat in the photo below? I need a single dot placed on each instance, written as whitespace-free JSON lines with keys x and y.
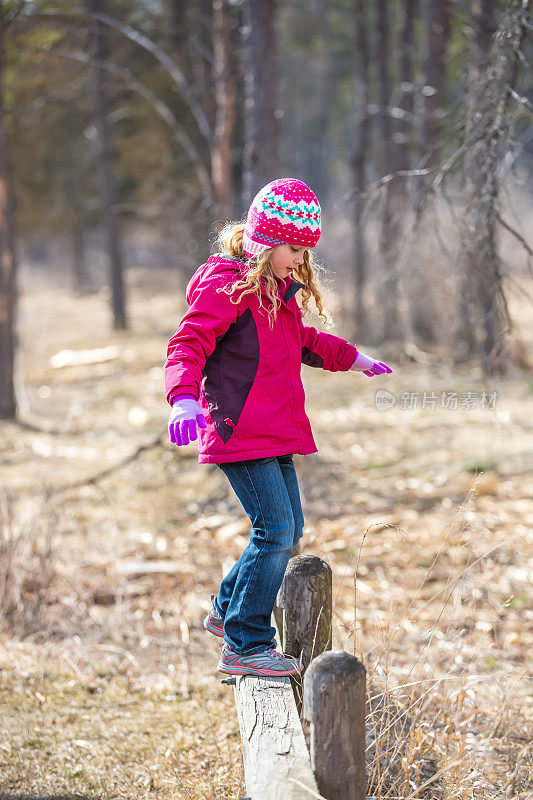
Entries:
{"x":285,"y":211}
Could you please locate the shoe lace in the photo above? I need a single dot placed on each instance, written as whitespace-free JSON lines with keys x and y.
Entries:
{"x":275,"y":654}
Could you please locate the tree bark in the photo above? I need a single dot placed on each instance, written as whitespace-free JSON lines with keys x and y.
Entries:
{"x":81,"y":282}
{"x":261,"y":148}
{"x":494,"y":72}
{"x":180,"y":12}
{"x":359,"y":162}
{"x":404,"y":125}
{"x":484,"y":27}
{"x":8,"y":262}
{"x":203,"y":65}
{"x":225,"y":93}
{"x":108,"y":191}
{"x":438,"y":27}
{"x":317,"y":158}
{"x":410,"y":310}
{"x":391,"y":205}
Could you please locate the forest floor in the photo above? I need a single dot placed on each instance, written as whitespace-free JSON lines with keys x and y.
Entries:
{"x":108,"y":681}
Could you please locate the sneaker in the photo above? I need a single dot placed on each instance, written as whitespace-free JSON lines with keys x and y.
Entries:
{"x":268,"y":663}
{"x":214,"y":622}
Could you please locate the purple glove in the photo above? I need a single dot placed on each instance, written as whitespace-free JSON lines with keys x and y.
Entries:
{"x":183,"y":418}
{"x":368,"y":366}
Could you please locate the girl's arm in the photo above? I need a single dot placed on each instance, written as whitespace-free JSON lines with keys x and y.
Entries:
{"x":209,"y":317}
{"x":330,"y":352}
{"x":324,"y":350}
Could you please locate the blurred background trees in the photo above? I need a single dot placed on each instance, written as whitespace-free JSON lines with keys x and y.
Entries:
{"x":160,"y":120}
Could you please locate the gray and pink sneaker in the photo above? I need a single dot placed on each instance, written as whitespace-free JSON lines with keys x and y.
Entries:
{"x":268,"y":663}
{"x":214,"y":622}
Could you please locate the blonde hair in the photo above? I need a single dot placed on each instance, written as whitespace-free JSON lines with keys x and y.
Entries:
{"x":229,"y":241}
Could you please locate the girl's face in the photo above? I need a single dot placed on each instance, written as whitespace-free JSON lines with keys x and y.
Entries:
{"x":285,"y":258}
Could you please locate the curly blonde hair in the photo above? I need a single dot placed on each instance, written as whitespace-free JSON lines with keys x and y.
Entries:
{"x":229,"y":241}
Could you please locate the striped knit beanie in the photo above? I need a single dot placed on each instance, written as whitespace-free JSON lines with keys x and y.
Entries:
{"x":285,"y":211}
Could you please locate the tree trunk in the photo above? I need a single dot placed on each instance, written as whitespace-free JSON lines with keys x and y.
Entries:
{"x":410,"y":309}
{"x":196,"y":37}
{"x":81,"y":283}
{"x":8,"y":295}
{"x":240,"y":47}
{"x":489,"y":121}
{"x":438,"y":27}
{"x":391,"y":205}
{"x":180,"y":12}
{"x":404,"y":125}
{"x":317,"y":156}
{"x":225,"y":93}
{"x":359,"y":161}
{"x":203,"y":64}
{"x":261,"y":149}
{"x":108,"y":192}
{"x":484,"y":28}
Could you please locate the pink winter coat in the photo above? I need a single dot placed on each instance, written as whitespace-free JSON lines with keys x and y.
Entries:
{"x":246,"y":376}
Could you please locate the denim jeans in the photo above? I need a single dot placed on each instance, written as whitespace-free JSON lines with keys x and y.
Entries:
{"x":268,"y":491}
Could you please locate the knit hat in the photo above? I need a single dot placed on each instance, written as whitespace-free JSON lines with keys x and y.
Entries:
{"x":285,"y":211}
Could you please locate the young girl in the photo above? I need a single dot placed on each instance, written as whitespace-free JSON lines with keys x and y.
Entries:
{"x":233,"y":368}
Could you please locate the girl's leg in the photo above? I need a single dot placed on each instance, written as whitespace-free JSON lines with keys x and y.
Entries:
{"x":248,"y":593}
{"x":291,"y":482}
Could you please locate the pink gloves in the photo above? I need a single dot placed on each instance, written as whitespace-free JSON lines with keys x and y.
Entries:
{"x":183,"y":418}
{"x":368,"y":366}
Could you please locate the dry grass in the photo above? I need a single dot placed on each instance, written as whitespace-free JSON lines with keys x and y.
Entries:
{"x":108,"y":682}
{"x":27,"y":565}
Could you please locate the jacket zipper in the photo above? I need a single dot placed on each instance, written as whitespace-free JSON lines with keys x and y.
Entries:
{"x":228,"y":420}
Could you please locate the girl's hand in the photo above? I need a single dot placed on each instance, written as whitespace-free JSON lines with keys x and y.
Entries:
{"x":368,"y":366}
{"x":183,"y":418}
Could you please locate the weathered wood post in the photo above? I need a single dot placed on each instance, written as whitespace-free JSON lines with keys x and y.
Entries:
{"x":305,"y":597}
{"x":334,"y":710}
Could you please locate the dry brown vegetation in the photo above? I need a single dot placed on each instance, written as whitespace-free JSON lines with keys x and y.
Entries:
{"x":108,"y":682}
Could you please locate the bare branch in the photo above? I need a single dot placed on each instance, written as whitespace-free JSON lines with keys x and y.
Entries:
{"x":515,"y":234}
{"x":159,"y":106}
{"x":195,"y":42}
{"x":173,"y":70}
{"x":401,"y":173}
{"x":53,"y":15}
{"x":11,"y":10}
{"x":519,"y":99}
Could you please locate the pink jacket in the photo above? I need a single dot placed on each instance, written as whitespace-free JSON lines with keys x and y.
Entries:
{"x":246,"y":376}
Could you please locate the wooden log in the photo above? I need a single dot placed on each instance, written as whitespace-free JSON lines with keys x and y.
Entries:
{"x":305,"y":597}
{"x":275,"y":756}
{"x":334,"y":711}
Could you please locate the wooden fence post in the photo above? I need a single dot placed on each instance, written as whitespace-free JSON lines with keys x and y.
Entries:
{"x":305,"y":597}
{"x":274,"y":750}
{"x":277,"y":763}
{"x":334,"y":709}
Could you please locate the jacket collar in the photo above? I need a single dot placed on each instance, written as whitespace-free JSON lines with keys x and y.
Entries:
{"x":291,"y":290}
{"x":287,"y":287}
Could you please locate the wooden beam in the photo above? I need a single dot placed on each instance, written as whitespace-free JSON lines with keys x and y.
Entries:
{"x":277,"y":765}
{"x":276,"y":760}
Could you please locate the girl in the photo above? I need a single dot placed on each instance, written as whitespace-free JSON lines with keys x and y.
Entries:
{"x":233,"y":368}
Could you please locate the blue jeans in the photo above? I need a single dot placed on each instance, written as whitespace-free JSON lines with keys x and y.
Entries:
{"x":268,"y":491}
